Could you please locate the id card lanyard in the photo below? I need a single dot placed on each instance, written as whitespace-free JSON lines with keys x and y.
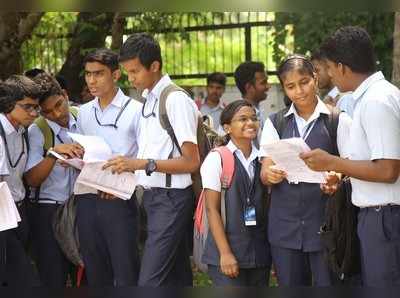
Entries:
{"x":249,"y":214}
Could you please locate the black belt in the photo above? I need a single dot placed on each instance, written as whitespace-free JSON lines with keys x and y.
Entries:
{"x":378,"y":208}
{"x":47,"y":202}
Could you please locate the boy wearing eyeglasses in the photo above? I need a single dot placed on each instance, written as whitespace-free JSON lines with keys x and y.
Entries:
{"x":18,"y":109}
{"x":52,"y":183}
{"x":160,"y":167}
{"x":107,"y":225}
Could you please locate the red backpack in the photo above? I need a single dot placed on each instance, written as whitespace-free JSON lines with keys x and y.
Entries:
{"x":200,"y":217}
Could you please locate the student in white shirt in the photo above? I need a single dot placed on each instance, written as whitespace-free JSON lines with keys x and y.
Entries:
{"x":237,"y":254}
{"x":18,"y":109}
{"x":168,"y":202}
{"x":107,"y":225}
{"x":297,"y":210}
{"x":52,"y":183}
{"x":374,"y":164}
{"x":252,"y":82}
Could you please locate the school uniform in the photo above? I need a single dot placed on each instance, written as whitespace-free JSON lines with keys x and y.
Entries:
{"x":17,"y":265}
{"x":375,"y":134}
{"x":3,"y":172}
{"x":297,"y":210}
{"x":52,"y":265}
{"x":214,"y":113}
{"x":169,"y":208}
{"x":108,"y":228}
{"x":249,"y":244}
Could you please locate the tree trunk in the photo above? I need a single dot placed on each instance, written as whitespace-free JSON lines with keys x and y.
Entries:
{"x":90,"y":32}
{"x":117,"y":31}
{"x":396,"y":50}
{"x":15,"y":28}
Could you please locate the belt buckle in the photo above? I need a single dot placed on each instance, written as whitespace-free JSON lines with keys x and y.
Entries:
{"x":378,"y":208}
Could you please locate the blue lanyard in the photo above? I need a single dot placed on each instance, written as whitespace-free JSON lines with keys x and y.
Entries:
{"x":308,"y":129}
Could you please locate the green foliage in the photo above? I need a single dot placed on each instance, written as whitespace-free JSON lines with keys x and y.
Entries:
{"x":310,"y":30}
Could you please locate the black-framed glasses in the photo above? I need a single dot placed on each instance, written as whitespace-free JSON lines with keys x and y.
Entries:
{"x":116,"y":119}
{"x":152,"y":113}
{"x":29,"y":108}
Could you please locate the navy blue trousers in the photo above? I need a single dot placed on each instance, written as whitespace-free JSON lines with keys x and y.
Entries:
{"x":16,"y":266}
{"x":297,"y":268}
{"x":166,"y":253}
{"x":248,"y":277}
{"x":108,"y":240}
{"x":51,"y":263}
{"x":379,"y":233}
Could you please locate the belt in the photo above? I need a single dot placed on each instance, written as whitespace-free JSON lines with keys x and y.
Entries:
{"x":48,"y":202}
{"x":19,"y":203}
{"x":378,"y":208}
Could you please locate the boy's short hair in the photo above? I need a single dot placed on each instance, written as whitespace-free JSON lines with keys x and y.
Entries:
{"x":28,"y":86}
{"x":245,"y":73}
{"x":216,"y":77}
{"x":103,"y":56}
{"x":48,"y":86}
{"x":142,"y":46}
{"x":351,"y":46}
{"x":9,"y":95}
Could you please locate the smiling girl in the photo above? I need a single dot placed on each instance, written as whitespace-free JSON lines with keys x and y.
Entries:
{"x":237,"y":254}
{"x":297,"y":210}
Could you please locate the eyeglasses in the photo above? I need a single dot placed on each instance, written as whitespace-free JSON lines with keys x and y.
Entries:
{"x":116,"y":119}
{"x":246,"y":119}
{"x":29,"y":108}
{"x":152,"y":110}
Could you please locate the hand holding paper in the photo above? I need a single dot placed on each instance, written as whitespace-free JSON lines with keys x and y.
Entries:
{"x":285,"y":154}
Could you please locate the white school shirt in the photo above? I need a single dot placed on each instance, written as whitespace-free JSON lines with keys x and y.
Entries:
{"x":123,"y":140}
{"x":3,"y":159}
{"x":58,"y":186}
{"x":270,"y":134}
{"x":155,"y":143}
{"x":211,"y":169}
{"x":375,"y":134}
{"x":16,"y":145}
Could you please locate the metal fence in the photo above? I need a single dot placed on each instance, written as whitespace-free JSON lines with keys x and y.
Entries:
{"x":197,"y":46}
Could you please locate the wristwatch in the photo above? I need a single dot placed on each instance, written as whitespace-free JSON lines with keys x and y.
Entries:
{"x":48,"y":154}
{"x":151,"y":166}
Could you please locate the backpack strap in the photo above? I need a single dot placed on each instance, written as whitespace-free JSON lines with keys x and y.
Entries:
{"x":279,"y":121}
{"x":47,"y":133}
{"x":228,"y":168}
{"x":165,"y":124}
{"x":331,"y":122}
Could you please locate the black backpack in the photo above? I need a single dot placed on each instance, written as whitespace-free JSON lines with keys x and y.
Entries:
{"x":339,"y":230}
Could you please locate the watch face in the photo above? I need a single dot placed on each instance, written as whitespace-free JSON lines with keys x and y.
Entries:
{"x":151,"y":167}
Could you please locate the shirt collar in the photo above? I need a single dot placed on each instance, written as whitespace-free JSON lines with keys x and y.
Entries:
{"x":158,"y":88}
{"x":56,"y":127}
{"x":8,"y":127}
{"x":118,"y":100}
{"x":319,"y":109}
{"x":253,"y":155}
{"x":372,"y":79}
{"x":333,"y":92}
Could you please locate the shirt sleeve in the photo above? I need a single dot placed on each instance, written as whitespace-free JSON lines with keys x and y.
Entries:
{"x":36,"y":142}
{"x":3,"y":159}
{"x":183,"y":116}
{"x":268,"y":135}
{"x":210,"y":171}
{"x":381,"y":124}
{"x":343,"y":135}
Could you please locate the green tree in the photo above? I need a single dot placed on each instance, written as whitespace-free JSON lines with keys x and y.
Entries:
{"x":309,"y":30}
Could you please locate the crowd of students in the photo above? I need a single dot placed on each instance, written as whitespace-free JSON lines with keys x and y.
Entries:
{"x":269,"y":224}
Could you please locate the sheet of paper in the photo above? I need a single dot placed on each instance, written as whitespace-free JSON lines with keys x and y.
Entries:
{"x":92,"y":176}
{"x":74,"y":162}
{"x":9,"y":216}
{"x":285,"y":154}
{"x":96,"y":149}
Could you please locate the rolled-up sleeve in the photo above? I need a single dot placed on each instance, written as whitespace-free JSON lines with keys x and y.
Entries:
{"x":343,"y":135}
{"x":381,"y":124}
{"x":183,"y":116}
{"x":36,"y":142}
